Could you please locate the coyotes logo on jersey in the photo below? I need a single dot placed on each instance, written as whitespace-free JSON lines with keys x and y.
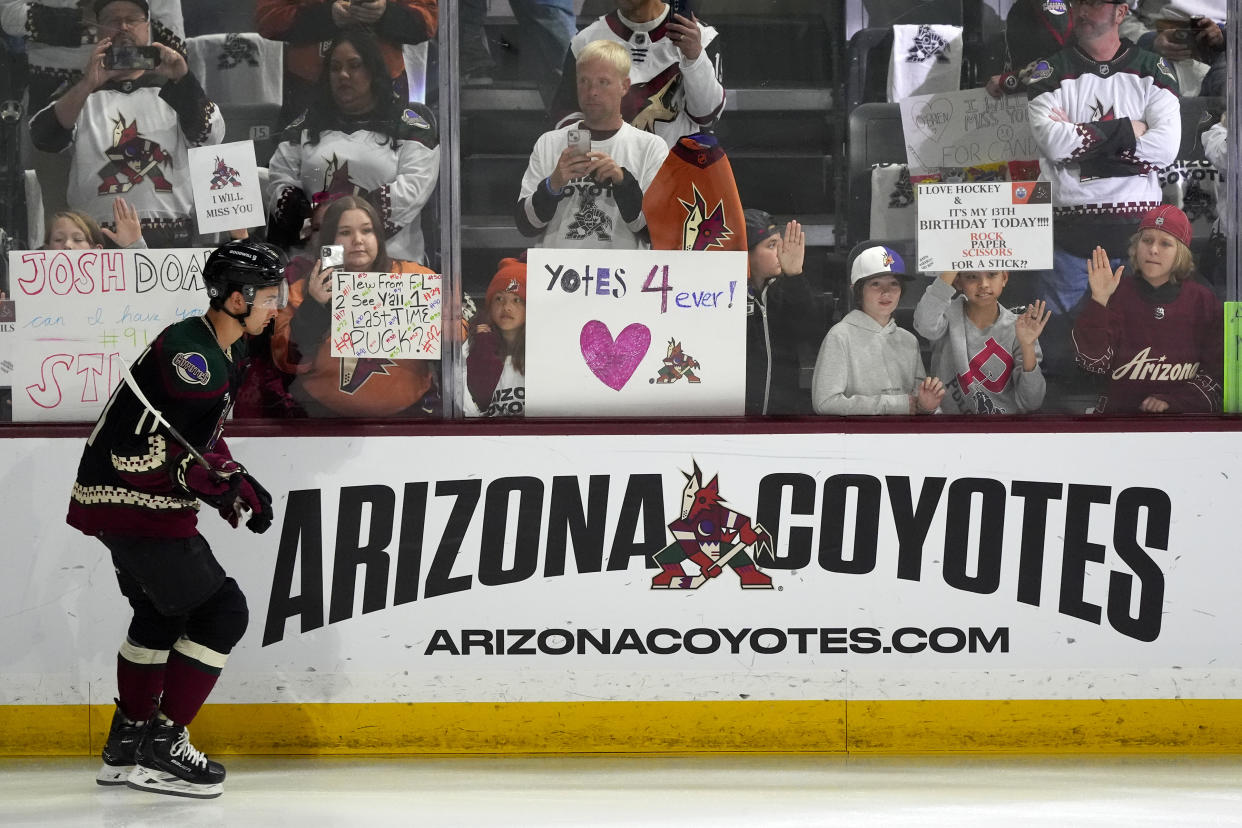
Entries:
{"x":132,"y":160}
{"x":703,"y":230}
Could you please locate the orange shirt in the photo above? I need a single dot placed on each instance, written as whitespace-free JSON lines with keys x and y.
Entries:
{"x":347,"y":386}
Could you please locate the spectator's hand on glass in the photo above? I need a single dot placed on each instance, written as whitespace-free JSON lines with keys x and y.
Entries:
{"x":927,"y":397}
{"x":993,"y":86}
{"x":569,"y":166}
{"x":319,"y":283}
{"x":172,"y":64}
{"x":686,"y":34}
{"x":367,"y":11}
{"x":128,"y":227}
{"x":792,"y":249}
{"x":1059,"y":114}
{"x":602,"y":168}
{"x":1101,"y":278}
{"x":1030,"y":324}
{"x":1153,"y":405}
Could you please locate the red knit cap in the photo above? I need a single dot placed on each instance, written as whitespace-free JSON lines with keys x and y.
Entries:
{"x":1171,"y":220}
{"x":510,"y":277}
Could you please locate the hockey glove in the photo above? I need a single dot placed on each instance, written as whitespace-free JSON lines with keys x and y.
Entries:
{"x":260,"y":507}
{"x":212,"y":485}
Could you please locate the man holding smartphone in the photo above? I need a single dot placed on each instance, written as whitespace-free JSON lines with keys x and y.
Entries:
{"x":584,"y":184}
{"x":128,"y":124}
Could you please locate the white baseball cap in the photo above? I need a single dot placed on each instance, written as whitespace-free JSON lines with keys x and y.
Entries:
{"x":875,"y":261}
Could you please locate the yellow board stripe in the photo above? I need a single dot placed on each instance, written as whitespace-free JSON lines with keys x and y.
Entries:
{"x":1023,"y":726}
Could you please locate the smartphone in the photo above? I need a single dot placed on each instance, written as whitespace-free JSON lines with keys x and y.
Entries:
{"x":681,"y":7}
{"x":579,"y":141}
{"x":331,"y":255}
{"x":127,"y":56}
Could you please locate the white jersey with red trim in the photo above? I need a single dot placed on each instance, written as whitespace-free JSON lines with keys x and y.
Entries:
{"x":1082,"y":112}
{"x":669,"y":96}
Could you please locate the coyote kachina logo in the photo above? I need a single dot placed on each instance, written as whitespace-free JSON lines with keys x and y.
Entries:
{"x":133,"y":159}
{"x":224,"y":175}
{"x":713,"y":536}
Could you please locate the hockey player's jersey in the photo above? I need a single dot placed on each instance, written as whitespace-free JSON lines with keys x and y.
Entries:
{"x":668,"y":96}
{"x":692,"y":203}
{"x":1103,"y":178}
{"x":1163,"y":342}
{"x":981,"y":368}
{"x":328,"y":386}
{"x":354,"y":159}
{"x":586,"y":213}
{"x":132,"y":139}
{"x":131,"y":476}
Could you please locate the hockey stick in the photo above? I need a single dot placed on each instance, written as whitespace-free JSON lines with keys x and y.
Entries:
{"x":697,"y":581}
{"x":159,"y":418}
{"x":239,"y":506}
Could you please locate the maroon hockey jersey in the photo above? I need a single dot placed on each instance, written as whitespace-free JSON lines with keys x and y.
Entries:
{"x":1165,"y":342}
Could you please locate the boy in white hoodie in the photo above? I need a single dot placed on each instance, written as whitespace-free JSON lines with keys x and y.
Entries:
{"x":986,"y":355}
{"x":866,"y":364}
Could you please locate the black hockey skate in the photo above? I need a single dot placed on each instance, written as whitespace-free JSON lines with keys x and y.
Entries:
{"x":167,"y":763}
{"x":120,"y":749}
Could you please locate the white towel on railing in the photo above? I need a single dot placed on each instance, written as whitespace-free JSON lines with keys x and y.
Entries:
{"x":926,"y":58}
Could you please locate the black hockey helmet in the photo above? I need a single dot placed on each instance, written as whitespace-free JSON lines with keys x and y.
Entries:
{"x":245,"y":266}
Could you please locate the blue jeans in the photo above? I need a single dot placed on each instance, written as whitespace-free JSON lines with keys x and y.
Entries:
{"x":545,"y":28}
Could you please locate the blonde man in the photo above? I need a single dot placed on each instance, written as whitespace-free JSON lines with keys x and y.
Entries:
{"x":585,"y":181}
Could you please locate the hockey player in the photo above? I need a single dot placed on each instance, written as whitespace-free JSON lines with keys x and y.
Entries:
{"x":137,"y":490}
{"x":675,"y":87}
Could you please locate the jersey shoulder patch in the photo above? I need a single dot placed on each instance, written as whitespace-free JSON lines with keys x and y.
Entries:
{"x":418,"y":123}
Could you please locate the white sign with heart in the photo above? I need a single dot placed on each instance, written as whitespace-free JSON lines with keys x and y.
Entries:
{"x":635,"y":333}
{"x":965,"y":129}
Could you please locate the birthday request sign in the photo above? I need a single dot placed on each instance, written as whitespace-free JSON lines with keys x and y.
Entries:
{"x":635,"y":333}
{"x":999,"y":225}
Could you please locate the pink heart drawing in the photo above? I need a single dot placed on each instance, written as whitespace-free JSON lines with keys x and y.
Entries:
{"x":614,"y":361}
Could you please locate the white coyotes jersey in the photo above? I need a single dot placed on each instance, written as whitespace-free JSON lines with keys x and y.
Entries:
{"x":667,"y":97}
{"x":1095,"y":163}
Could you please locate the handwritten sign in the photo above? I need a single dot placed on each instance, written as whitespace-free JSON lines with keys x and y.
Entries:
{"x":985,"y":226}
{"x":77,"y":312}
{"x":964,"y":129}
{"x":225,"y":182}
{"x":635,"y":332}
{"x":388,"y":315}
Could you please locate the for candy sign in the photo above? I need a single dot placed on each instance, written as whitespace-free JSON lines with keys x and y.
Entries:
{"x":635,"y":332}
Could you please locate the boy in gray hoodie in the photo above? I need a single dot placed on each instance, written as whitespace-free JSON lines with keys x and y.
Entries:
{"x":986,"y":355}
{"x":866,"y":364}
